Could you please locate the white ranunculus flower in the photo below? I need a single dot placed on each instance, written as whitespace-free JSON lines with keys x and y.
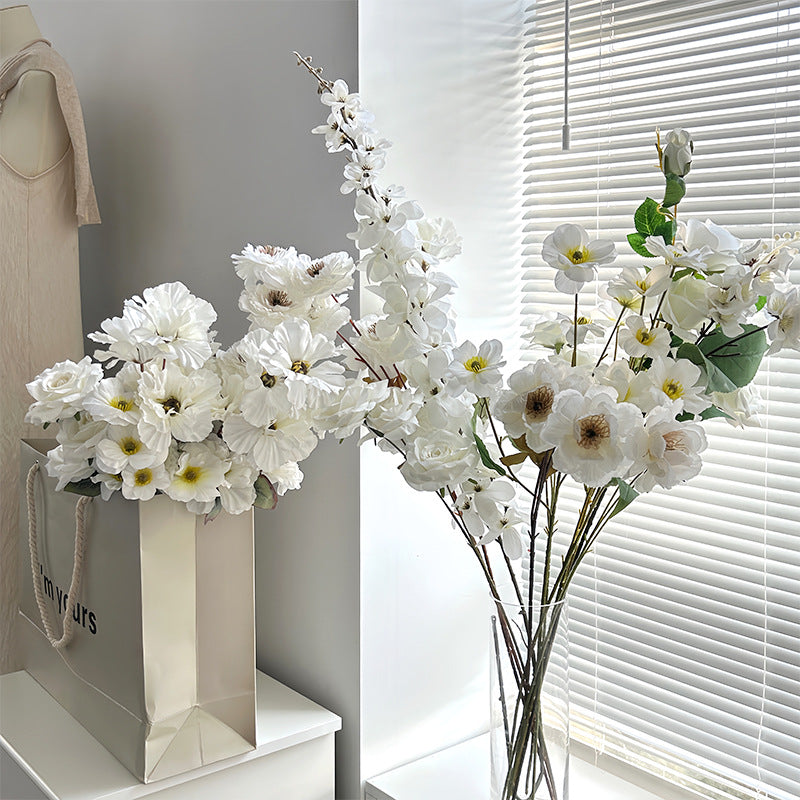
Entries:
{"x":267,"y":307}
{"x":476,"y":369}
{"x":439,"y":458}
{"x":677,"y":153}
{"x":575,"y":257}
{"x":59,"y":391}
{"x":256,"y":264}
{"x":438,"y":238}
{"x":197,"y":475}
{"x":593,"y":435}
{"x":175,"y":402}
{"x":639,"y":339}
{"x":342,"y":415}
{"x":144,"y":482}
{"x":396,"y":416}
{"x":329,"y":275}
{"x":670,"y":451}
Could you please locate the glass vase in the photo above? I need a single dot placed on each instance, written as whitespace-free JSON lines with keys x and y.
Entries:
{"x":529,"y":722}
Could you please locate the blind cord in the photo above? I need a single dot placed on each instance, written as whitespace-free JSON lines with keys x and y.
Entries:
{"x":565,"y":129}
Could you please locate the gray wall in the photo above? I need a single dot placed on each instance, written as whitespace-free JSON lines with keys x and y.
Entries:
{"x":198,"y":125}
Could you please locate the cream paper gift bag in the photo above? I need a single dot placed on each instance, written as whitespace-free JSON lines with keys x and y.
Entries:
{"x":160,"y":666}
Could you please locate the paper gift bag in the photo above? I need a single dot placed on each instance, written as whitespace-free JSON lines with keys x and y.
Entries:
{"x":160,"y":667}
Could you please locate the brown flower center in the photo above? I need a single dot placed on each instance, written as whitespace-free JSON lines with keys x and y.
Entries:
{"x":269,"y":249}
{"x":675,"y":441}
{"x":277,"y":297}
{"x":593,"y":430}
{"x":268,"y":380}
{"x":301,"y":367}
{"x":171,"y":405}
{"x":539,"y":404}
{"x":315,"y":268}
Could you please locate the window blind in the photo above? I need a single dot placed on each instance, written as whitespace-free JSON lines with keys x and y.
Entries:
{"x":685,"y":620}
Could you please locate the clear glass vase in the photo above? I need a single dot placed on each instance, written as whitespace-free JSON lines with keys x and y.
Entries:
{"x":529,"y":723}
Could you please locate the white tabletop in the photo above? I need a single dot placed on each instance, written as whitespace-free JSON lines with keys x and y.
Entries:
{"x":67,"y":763}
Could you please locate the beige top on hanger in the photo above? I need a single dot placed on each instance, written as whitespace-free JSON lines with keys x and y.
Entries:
{"x":40,"y":300}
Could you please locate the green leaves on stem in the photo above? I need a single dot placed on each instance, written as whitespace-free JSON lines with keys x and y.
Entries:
{"x":266,"y":496}
{"x":650,"y":221}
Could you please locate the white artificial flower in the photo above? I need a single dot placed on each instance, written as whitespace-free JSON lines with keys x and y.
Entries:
{"x":439,"y":458}
{"x":675,"y":254}
{"x":237,"y":491}
{"x":784,"y":330}
{"x":360,"y":172}
{"x":640,"y":340}
{"x":327,"y":315}
{"x":619,"y":376}
{"x":329,"y":275}
{"x":525,"y":406}
{"x":287,"y":477}
{"x":547,"y":333}
{"x":489,"y":493}
{"x":575,"y":257}
{"x":143,"y":483}
{"x":108,"y":484}
{"x":730,"y":298}
{"x":464,"y":507}
{"x":476,"y":369}
{"x":719,"y":247}
{"x":390,"y":255}
{"x":677,"y":153}
{"x":505,"y":525}
{"x":255,"y":264}
{"x":593,"y":435}
{"x":176,"y":402}
{"x":741,"y":405}
{"x":675,"y":383}
{"x":114,"y":400}
{"x":685,"y":306}
{"x":123,"y":447}
{"x":634,"y":286}
{"x":304,"y":361}
{"x":284,"y":438}
{"x":396,"y":416}
{"x":377,"y":217}
{"x":670,"y":451}
{"x":267,"y":307}
{"x":59,"y":391}
{"x":438,"y":238}
{"x":197,"y":475}
{"x":82,"y":433}
{"x":344,"y":413}
{"x":167,"y":323}
{"x":67,"y":463}
{"x":418,"y":300}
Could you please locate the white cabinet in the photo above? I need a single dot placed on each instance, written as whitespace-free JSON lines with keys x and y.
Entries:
{"x":46,"y":754}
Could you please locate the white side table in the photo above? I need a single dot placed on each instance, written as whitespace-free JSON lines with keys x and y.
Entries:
{"x":292,"y":761}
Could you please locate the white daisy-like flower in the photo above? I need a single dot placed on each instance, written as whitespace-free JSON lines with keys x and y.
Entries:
{"x":322,"y":277}
{"x":285,"y":438}
{"x":476,"y":369}
{"x":439,"y":458}
{"x":59,"y":391}
{"x":305,"y":362}
{"x":177,"y":403}
{"x":267,"y":306}
{"x":639,"y":339}
{"x":108,"y":483}
{"x":575,"y":257}
{"x":593,"y":435}
{"x":144,"y":482}
{"x":675,"y":383}
{"x":123,"y":447}
{"x":197,"y":475}
{"x":114,"y":400}
{"x":256,"y":264}
{"x":633,"y":286}
{"x":505,"y":525}
{"x":675,"y":254}
{"x":670,"y":451}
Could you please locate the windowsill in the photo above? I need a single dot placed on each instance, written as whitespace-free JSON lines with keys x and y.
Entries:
{"x":462,"y":773}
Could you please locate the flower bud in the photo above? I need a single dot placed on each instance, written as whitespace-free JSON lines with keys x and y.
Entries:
{"x":677,"y":157}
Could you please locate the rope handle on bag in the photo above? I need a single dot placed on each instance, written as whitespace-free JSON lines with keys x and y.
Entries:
{"x":68,"y":621}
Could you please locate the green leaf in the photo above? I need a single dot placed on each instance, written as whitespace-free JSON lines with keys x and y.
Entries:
{"x":85,"y":486}
{"x":513,"y":459}
{"x":739,"y":357}
{"x":682,"y":273}
{"x":214,"y":513}
{"x":636,"y":241}
{"x":675,"y":340}
{"x":762,"y":301}
{"x":648,"y":219}
{"x":482,"y":451}
{"x":713,"y":411}
{"x":716,"y":379}
{"x":627,"y":494}
{"x":266,"y":496}
{"x":675,"y":190}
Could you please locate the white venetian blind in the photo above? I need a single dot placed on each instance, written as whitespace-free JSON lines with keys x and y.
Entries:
{"x":686,"y":618}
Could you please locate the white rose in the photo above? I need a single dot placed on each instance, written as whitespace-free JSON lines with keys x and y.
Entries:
{"x":678,"y":152}
{"x":439,"y":458}
{"x":686,"y":306}
{"x":60,"y":390}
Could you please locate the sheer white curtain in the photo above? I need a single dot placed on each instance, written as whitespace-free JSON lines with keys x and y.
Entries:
{"x":686,"y":619}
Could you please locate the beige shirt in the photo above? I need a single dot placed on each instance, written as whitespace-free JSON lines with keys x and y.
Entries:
{"x":40,"y":302}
